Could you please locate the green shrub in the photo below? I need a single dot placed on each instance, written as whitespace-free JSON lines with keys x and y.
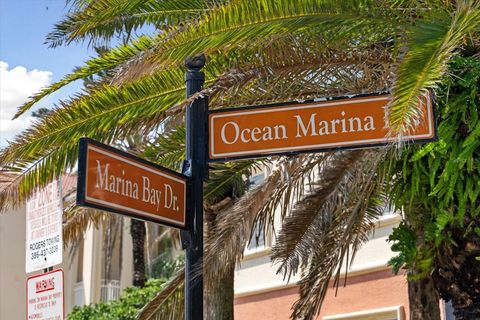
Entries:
{"x":123,"y":308}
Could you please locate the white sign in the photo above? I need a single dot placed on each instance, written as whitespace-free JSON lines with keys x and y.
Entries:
{"x":45,"y":296}
{"x":44,"y":243}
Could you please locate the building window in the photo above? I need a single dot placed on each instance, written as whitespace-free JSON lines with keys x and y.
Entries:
{"x":78,"y":289}
{"x":255,"y":180}
{"x":79,"y":277}
{"x":78,"y":294}
{"x":389,"y":313}
{"x":258,"y":240}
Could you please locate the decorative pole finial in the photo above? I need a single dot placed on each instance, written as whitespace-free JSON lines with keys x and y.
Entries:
{"x":196,"y":62}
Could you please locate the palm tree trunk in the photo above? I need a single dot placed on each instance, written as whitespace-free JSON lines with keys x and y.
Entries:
{"x":424,"y":300}
{"x":219,"y":296}
{"x":137,"y":230}
{"x":458,"y":277}
{"x":465,"y":312}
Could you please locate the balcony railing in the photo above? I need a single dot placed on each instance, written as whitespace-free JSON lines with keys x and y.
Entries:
{"x":110,"y":290}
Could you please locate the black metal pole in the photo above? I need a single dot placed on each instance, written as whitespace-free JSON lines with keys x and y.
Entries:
{"x":196,"y":123}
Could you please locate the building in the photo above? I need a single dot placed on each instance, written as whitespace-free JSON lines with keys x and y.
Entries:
{"x":372,"y":290}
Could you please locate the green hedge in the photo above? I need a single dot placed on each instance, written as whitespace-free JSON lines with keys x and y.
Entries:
{"x":123,"y":308}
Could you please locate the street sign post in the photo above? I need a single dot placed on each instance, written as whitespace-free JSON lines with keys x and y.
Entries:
{"x":45,"y":298}
{"x":44,"y":240}
{"x":196,"y":167}
{"x":112,"y":180}
{"x":314,"y":126}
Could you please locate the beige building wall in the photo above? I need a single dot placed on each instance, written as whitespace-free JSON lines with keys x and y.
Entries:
{"x":91,"y":265}
{"x":12,"y":265}
{"x":126,"y":274}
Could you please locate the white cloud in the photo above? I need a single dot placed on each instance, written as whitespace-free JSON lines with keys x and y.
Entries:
{"x":16,"y":85}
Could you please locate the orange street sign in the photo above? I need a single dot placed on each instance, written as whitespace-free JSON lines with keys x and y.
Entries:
{"x":314,"y":126}
{"x":112,"y":180}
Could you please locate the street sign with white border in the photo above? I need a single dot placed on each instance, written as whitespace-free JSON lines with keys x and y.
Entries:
{"x":113,"y":180}
{"x":312,"y":126}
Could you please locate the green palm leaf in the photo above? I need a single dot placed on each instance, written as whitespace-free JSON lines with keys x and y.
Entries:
{"x":168,"y":149}
{"x":107,"y":61}
{"x":228,"y":179}
{"x":230,"y":25}
{"x":432,"y":43}
{"x":50,"y":146}
{"x":232,"y":228}
{"x":103,"y":19}
{"x":107,"y":109}
{"x":241,"y":22}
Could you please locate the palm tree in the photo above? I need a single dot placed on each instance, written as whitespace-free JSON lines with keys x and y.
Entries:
{"x":436,"y":185}
{"x":307,"y":48}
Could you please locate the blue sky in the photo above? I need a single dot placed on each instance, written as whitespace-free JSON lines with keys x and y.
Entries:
{"x":26,"y":63}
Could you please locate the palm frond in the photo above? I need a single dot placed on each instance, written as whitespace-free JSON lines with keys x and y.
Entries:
{"x":77,"y":220}
{"x":296,"y":182}
{"x":432,"y":43}
{"x":168,"y":149}
{"x":101,"y":20}
{"x":243,"y":22}
{"x":288,"y":69}
{"x":336,"y":228}
{"x":106,"y":114}
{"x":9,"y":195}
{"x":292,"y":245}
{"x":106,"y":61}
{"x":278,"y":48}
{"x":232,"y":228}
{"x":229,"y":179}
{"x":31,"y":173}
{"x":168,"y":304}
{"x":347,"y":233}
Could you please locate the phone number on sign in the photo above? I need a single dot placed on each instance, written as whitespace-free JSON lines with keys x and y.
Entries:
{"x":44,"y":252}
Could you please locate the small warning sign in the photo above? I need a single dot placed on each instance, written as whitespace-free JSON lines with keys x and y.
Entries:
{"x":45,"y":296}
